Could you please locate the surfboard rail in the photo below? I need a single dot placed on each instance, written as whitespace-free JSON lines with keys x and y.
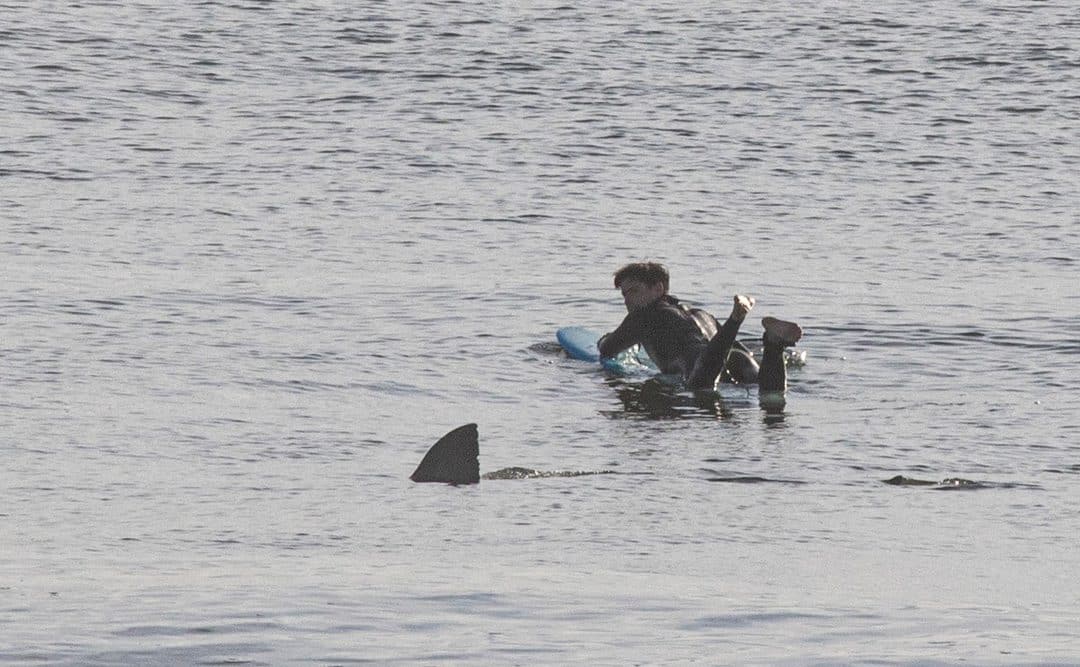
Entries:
{"x":580,"y":343}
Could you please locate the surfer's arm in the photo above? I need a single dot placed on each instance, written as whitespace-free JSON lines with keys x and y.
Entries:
{"x":627,"y":335}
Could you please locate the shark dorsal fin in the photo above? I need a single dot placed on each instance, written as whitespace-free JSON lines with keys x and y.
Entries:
{"x":453,"y":459}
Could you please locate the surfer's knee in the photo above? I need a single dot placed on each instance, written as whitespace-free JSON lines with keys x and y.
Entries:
{"x":741,"y":367}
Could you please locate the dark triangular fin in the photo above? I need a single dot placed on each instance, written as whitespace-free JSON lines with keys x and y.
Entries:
{"x":453,"y":459}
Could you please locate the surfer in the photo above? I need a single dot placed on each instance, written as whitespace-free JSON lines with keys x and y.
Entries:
{"x":689,"y":341}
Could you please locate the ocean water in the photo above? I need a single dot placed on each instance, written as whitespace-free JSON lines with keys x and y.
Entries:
{"x":258,"y":256}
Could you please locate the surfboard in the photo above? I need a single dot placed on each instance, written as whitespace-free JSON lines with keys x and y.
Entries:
{"x":580,"y":343}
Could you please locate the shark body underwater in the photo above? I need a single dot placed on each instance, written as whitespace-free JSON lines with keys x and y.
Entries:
{"x":454,"y":459}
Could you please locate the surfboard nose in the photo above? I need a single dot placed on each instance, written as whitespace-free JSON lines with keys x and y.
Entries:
{"x":454,"y":459}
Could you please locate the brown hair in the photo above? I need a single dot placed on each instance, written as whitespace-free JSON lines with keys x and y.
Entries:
{"x":650,"y":273}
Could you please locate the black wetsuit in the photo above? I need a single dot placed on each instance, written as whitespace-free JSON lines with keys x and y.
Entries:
{"x":683,"y":341}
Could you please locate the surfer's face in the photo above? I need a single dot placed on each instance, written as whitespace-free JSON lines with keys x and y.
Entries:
{"x":637,"y":295}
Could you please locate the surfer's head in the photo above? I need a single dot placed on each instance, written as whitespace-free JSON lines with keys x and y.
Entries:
{"x":641,"y":283}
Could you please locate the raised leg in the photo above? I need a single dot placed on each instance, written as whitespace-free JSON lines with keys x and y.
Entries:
{"x":710,"y":364}
{"x":772,"y":378}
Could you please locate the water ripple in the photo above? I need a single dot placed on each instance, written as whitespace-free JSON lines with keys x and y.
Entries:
{"x":259,"y":255}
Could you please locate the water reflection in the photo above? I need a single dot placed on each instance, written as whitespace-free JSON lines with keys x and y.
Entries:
{"x":772,"y":403}
{"x":657,"y":399}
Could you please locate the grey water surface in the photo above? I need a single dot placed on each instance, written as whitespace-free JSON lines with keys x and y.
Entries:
{"x":257,"y":256}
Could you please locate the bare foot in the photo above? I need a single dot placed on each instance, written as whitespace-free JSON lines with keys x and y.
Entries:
{"x":742,"y":306}
{"x":781,"y":331}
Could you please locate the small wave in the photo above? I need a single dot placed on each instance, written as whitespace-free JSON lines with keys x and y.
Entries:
{"x":1022,"y":110}
{"x":746,"y":620}
{"x":752,"y":479}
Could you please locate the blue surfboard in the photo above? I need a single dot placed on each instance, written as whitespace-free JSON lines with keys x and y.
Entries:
{"x":580,"y":343}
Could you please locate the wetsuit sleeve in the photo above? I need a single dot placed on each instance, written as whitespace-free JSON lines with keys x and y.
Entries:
{"x":631,"y":332}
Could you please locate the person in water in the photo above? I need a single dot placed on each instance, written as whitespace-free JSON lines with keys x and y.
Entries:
{"x":688,"y":341}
